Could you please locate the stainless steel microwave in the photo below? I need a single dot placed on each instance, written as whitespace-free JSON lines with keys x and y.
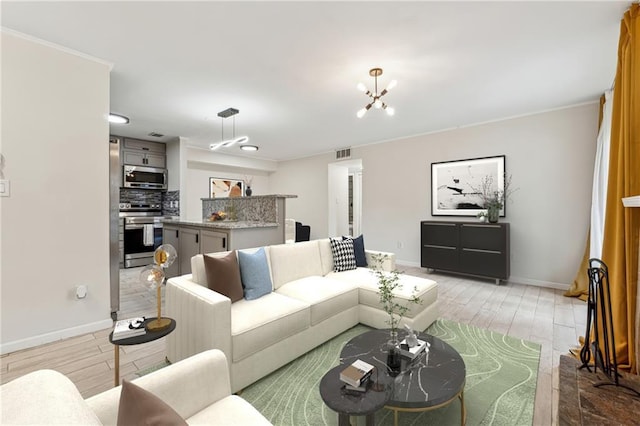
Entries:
{"x":144,"y":177}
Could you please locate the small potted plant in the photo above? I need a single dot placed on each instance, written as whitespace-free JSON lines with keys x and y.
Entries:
{"x":492,"y":198}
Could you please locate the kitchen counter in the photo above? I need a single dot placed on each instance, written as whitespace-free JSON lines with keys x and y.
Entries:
{"x":260,"y":222}
{"x":222,"y":224}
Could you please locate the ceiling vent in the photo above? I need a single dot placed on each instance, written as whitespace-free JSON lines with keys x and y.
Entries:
{"x":156,"y":135}
{"x":343,"y":154}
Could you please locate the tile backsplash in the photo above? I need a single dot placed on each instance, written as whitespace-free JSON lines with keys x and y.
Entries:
{"x":171,"y":203}
{"x":170,"y":200}
{"x":140,"y":196}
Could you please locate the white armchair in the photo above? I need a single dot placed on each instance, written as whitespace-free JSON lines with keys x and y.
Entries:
{"x":198,"y":388}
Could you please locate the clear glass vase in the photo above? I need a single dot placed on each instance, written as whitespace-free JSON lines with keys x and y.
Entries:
{"x":393,"y":338}
{"x":393,"y":353}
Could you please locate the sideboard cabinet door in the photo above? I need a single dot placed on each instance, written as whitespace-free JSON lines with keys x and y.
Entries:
{"x":439,"y":245}
{"x":484,"y":250}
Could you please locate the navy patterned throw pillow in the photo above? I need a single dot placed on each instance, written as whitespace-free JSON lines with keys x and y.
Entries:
{"x":344,"y":258}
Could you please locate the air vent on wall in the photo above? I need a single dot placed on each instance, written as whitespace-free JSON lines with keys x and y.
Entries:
{"x":156,"y":135}
{"x":344,"y":153}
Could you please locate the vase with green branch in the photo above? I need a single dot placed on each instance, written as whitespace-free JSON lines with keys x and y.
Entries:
{"x":388,"y":282}
{"x":493,"y":198}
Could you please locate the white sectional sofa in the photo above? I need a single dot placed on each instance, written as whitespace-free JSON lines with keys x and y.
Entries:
{"x":197,"y":388}
{"x":309,"y":304}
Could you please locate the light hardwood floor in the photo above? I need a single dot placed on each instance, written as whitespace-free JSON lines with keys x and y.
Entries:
{"x":537,"y":314}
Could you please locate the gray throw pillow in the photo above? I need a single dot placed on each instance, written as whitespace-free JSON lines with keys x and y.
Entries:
{"x":254,"y":271}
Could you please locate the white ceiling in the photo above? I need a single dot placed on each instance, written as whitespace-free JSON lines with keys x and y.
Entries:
{"x":291,"y":68}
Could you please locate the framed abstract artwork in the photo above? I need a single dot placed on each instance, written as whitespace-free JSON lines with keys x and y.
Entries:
{"x":224,"y":187}
{"x":456,"y":186}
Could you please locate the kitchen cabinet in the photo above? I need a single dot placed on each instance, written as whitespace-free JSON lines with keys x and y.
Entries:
{"x":189,"y":246}
{"x":142,"y":145}
{"x":213,"y":241}
{"x":472,"y":248}
{"x":170,"y":236}
{"x":141,"y":158}
{"x":138,"y":152}
{"x":190,"y":241}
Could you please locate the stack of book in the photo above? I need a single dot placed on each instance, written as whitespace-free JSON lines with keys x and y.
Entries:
{"x":356,"y":376}
{"x":131,"y":327}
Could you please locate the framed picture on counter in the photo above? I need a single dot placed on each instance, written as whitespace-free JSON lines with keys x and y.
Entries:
{"x":224,"y":187}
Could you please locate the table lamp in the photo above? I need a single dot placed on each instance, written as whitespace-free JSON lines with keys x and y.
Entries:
{"x":153,"y":276}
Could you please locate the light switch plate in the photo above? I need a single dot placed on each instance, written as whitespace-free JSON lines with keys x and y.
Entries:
{"x":5,"y":188}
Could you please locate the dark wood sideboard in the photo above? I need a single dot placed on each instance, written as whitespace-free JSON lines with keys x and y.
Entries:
{"x":473,"y":248}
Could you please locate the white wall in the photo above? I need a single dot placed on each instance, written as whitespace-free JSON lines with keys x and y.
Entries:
{"x":55,"y":226}
{"x":550,"y":156}
{"x":199,"y":165}
{"x":308,"y":179}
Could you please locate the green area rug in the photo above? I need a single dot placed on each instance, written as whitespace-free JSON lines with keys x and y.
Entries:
{"x":500,"y":389}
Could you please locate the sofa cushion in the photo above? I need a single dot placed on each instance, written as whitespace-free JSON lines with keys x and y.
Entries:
{"x":254,"y":271}
{"x":138,"y":406}
{"x":290,"y":262}
{"x":223,"y":275}
{"x":344,"y":258}
{"x":326,"y":256}
{"x":368,"y":293}
{"x":326,"y":296}
{"x":358,"y":251}
{"x":256,"y":324}
{"x":44,"y":397}
{"x":232,"y":410}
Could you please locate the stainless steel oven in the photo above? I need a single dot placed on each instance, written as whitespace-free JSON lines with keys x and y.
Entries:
{"x":142,"y":233}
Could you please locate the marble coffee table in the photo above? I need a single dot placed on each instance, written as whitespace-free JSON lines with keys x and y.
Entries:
{"x":353,"y":404}
{"x":428,"y":382}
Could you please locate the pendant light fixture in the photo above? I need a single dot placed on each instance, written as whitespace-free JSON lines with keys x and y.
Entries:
{"x":376,"y":102}
{"x":229,"y":112}
{"x":118,"y":119}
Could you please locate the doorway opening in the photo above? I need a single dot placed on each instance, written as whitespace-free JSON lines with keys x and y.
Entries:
{"x":345,"y":198}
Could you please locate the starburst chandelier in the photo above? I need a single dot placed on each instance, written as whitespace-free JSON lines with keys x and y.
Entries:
{"x":376,"y":102}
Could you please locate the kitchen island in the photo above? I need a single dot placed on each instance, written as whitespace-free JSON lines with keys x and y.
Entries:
{"x":249,"y":222}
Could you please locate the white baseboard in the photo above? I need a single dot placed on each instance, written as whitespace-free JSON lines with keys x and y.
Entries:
{"x":54,"y":336}
{"x":407,"y":263}
{"x":512,"y":279}
{"x":538,"y":283}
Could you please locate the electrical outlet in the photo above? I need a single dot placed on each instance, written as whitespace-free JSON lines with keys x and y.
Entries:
{"x":81,"y":291}
{"x":5,"y":188}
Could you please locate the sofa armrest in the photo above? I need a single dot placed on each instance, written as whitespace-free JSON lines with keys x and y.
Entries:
{"x":388,"y":261}
{"x":203,"y":319}
{"x":188,"y":386}
{"x":44,"y":397}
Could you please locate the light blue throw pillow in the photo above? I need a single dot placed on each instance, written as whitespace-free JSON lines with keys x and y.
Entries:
{"x":254,"y":272}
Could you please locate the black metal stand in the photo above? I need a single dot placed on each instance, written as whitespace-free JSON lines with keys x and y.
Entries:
{"x":599,"y":295}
